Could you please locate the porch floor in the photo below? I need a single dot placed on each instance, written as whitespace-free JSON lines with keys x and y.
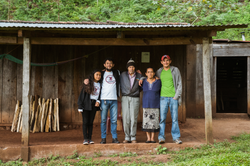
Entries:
{"x":67,"y":141}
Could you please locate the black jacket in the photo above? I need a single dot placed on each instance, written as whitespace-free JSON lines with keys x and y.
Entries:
{"x":84,"y":101}
{"x":117,"y":79}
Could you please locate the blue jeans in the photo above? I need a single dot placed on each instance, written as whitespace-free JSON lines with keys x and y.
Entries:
{"x":165,"y":103}
{"x":106,"y":105}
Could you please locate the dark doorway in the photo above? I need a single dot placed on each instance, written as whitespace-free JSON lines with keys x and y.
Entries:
{"x":231,"y":85}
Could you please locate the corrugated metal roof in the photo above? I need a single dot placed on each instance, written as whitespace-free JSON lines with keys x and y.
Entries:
{"x":102,"y":25}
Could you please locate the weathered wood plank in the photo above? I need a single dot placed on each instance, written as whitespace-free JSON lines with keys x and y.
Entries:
{"x":15,"y":119}
{"x":48,"y":120}
{"x":248,"y":85}
{"x":199,"y":98}
{"x":207,"y":90}
{"x":8,"y":40}
{"x":65,"y":86}
{"x":48,"y":74}
{"x":1,"y":82}
{"x":26,"y":93}
{"x":19,"y":75}
{"x":191,"y":83}
{"x":38,"y":58}
{"x":19,"y":119}
{"x":227,"y":50}
{"x":9,"y":88}
{"x":57,"y":111}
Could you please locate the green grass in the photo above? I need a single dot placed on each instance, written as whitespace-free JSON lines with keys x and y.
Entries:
{"x":203,"y":12}
{"x":220,"y":153}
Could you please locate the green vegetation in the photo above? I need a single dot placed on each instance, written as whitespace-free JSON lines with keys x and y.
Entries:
{"x":128,"y":154}
{"x":196,"y":12}
{"x":220,"y":153}
{"x":161,"y":150}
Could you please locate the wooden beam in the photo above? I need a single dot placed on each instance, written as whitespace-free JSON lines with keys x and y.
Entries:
{"x":248,"y":85}
{"x":228,"y":50}
{"x":207,"y":90}
{"x":8,"y":40}
{"x":108,"y":41}
{"x":20,"y":33}
{"x":120,"y":35}
{"x":25,"y":99}
{"x":117,"y":41}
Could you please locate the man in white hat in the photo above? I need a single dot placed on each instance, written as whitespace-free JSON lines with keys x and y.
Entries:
{"x":130,"y":101}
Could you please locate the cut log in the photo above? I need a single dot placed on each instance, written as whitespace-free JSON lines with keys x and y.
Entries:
{"x":57,"y":116}
{"x":36,"y":119}
{"x":45,"y":113}
{"x":42,"y":109}
{"x":38,"y":125}
{"x":19,"y":119}
{"x":15,"y":119}
{"x":34,"y":110}
{"x":31,"y":106}
{"x":48,"y":120}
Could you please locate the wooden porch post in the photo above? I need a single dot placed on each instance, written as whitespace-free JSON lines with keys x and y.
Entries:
{"x":207,"y":90}
{"x":25,"y":100}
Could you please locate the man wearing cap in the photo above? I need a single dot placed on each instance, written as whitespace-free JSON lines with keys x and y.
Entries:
{"x":130,"y":101}
{"x":171,"y":90}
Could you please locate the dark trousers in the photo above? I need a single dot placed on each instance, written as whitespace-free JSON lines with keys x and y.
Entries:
{"x":87,"y":123}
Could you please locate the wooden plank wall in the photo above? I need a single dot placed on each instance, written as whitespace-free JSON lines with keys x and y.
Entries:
{"x":63,"y":81}
{"x":195,"y":95}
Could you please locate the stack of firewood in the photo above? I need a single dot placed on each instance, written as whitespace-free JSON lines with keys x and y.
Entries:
{"x":43,"y":115}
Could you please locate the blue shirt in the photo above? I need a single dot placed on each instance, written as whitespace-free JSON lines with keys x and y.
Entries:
{"x":151,"y":94}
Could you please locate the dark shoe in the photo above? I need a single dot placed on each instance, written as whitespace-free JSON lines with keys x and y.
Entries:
{"x":152,"y":141}
{"x":161,"y":141}
{"x":115,"y":140}
{"x":103,"y":141}
{"x":148,"y":141}
{"x":85,"y":142}
{"x":126,"y":141}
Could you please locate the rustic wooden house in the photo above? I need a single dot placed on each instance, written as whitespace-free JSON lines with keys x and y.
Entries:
{"x":90,"y":43}
{"x":230,"y":80}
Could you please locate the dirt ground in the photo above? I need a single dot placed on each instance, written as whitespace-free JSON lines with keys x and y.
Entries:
{"x":193,"y":131}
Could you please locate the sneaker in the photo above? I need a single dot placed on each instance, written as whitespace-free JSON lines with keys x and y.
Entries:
{"x":134,"y":141}
{"x":178,"y":141}
{"x":161,"y":141}
{"x":115,"y":140}
{"x":103,"y":141}
{"x":91,"y":142}
{"x":85,"y":142}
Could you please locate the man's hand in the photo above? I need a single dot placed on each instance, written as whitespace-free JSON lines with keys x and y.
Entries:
{"x":97,"y":104}
{"x":86,"y":81}
{"x":138,"y":71}
{"x":140,"y":82}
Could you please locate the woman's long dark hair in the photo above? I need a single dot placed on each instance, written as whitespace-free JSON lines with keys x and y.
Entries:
{"x":90,"y":87}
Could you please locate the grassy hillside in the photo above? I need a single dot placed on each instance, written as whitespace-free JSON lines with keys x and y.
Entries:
{"x":198,"y":12}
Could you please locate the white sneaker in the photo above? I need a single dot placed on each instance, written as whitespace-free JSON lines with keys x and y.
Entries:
{"x":91,"y":142}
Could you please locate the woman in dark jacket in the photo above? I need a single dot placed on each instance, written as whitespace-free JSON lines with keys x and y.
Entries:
{"x":89,"y":103}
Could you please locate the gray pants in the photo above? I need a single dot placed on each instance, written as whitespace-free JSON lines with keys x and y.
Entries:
{"x":130,"y":110}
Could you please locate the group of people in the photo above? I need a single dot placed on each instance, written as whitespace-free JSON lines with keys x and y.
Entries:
{"x":161,"y":90}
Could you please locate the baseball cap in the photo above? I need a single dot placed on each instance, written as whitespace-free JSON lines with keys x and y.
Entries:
{"x":165,"y":56}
